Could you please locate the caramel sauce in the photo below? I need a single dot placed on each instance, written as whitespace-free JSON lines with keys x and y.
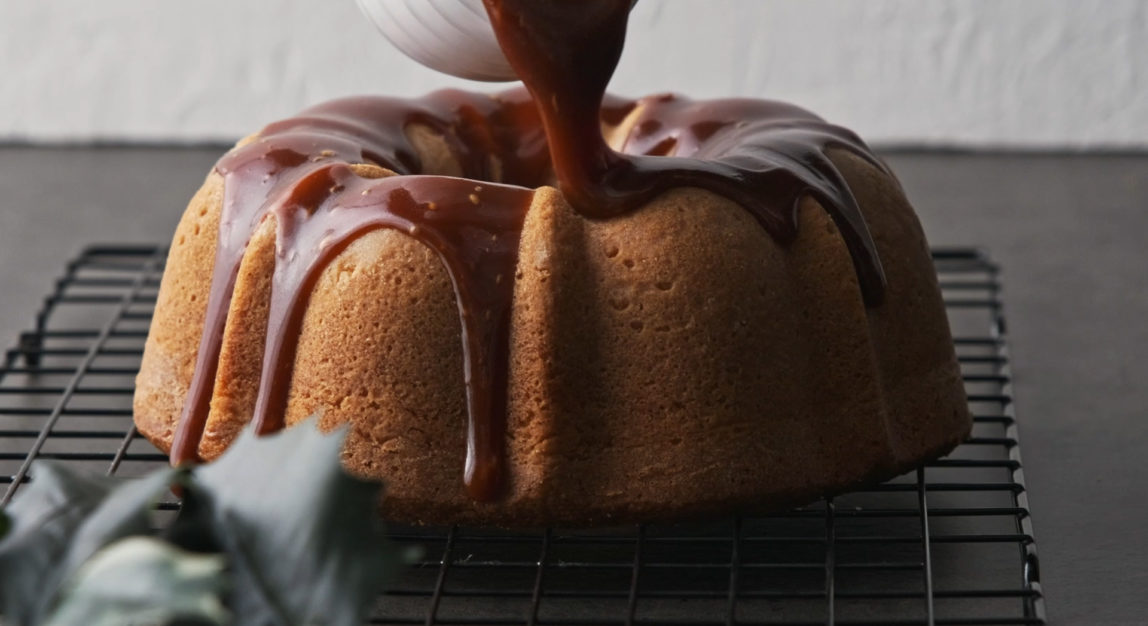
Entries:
{"x":763,"y":155}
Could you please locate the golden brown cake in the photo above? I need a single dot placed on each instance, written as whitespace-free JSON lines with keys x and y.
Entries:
{"x":553,"y":306}
{"x":675,"y":360}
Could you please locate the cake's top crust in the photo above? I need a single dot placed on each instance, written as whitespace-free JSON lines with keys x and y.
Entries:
{"x":345,"y":168}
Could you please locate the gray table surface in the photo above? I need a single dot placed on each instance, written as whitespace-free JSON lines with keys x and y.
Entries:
{"x":1069,"y":231}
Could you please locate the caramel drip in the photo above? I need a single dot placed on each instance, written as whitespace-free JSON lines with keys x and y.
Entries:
{"x":763,"y":155}
{"x":298,"y":173}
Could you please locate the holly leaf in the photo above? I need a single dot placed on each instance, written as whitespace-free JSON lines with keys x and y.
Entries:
{"x":299,"y":538}
{"x":302,"y":537}
{"x":125,"y":512}
{"x":42,"y":520}
{"x":58,"y":522}
{"x":142,"y":580}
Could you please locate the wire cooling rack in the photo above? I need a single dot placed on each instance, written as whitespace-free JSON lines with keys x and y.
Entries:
{"x":951,"y":543}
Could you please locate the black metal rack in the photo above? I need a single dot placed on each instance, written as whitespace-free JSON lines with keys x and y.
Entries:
{"x":951,"y":543}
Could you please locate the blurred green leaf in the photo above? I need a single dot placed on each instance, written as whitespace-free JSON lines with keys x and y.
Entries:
{"x":125,"y":512}
{"x":142,"y":580}
{"x":302,"y":537}
{"x":43,"y":519}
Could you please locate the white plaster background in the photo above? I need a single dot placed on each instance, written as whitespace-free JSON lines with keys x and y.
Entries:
{"x":986,"y":73}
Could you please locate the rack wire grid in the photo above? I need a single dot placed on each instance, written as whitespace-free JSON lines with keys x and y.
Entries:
{"x":950,"y":543}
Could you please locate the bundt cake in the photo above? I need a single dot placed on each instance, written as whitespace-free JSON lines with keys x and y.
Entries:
{"x":551,"y":306}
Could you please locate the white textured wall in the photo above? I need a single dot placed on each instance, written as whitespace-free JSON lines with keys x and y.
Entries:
{"x":1028,"y":73}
